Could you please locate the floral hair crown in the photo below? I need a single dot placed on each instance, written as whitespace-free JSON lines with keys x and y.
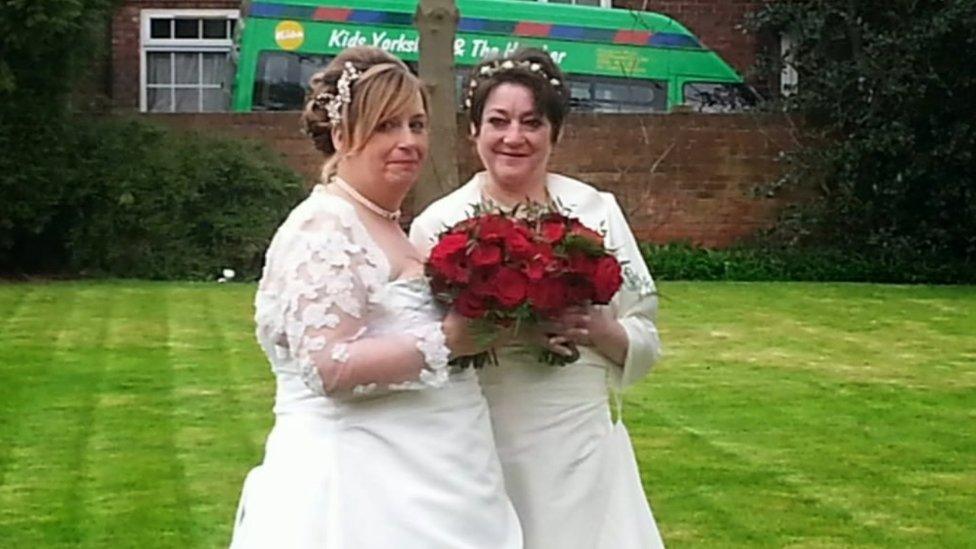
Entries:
{"x":495,"y":67}
{"x":332,"y":102}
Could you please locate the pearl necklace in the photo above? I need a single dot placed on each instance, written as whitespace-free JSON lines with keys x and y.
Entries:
{"x":367,"y":203}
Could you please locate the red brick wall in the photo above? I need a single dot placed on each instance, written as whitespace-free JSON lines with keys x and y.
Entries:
{"x":715,"y":22}
{"x":125,"y":43}
{"x":679,"y":177}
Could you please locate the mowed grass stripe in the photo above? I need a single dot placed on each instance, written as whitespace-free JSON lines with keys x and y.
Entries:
{"x":216,"y":368}
{"x":749,"y":465}
{"x":49,"y":430}
{"x":852,"y":445}
{"x":137,"y":487}
{"x":16,"y":299}
{"x":698,"y":465}
{"x":25,"y":372}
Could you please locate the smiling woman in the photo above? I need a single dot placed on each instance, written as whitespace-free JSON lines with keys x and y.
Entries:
{"x":569,"y":470}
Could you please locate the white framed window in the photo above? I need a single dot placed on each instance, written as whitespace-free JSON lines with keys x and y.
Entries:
{"x":185,"y":61}
{"x":594,"y":3}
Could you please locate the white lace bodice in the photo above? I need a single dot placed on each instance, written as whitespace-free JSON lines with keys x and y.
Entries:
{"x":327,"y":314}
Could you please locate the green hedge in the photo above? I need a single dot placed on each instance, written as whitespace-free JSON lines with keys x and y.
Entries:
{"x":136,"y":200}
{"x":685,"y":262}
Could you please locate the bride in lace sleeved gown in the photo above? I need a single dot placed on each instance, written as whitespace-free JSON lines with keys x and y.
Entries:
{"x":376,"y":442}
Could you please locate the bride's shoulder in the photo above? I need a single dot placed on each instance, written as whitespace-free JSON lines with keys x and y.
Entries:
{"x":320,"y":210}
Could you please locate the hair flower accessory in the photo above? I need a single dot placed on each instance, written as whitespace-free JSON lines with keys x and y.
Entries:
{"x":490,"y":69}
{"x":332,"y":102}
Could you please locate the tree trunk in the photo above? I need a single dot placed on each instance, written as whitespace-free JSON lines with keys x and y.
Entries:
{"x":436,"y":22}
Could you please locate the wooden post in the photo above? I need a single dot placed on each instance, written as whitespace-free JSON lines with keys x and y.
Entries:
{"x":436,"y":22}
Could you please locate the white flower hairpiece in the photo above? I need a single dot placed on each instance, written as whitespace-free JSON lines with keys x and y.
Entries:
{"x":489,"y":70}
{"x":332,"y":102}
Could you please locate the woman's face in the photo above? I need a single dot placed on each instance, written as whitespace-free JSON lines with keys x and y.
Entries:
{"x":514,"y":141}
{"x":395,"y":152}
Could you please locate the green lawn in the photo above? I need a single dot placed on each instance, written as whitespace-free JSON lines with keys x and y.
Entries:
{"x":801,"y":415}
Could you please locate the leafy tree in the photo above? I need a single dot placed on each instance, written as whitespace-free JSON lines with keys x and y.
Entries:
{"x":887,"y":95}
{"x":45,"y":46}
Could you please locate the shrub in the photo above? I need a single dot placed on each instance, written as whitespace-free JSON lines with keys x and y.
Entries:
{"x":136,"y":200}
{"x":887,"y":94}
{"x":148,"y":203}
{"x":680,"y":261}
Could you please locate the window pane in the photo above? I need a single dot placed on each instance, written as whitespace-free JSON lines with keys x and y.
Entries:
{"x":160,"y":28}
{"x":187,"y":28}
{"x":216,"y":68}
{"x":158,"y":68}
{"x":187,"y":100}
{"x":158,"y":100}
{"x":587,"y":2}
{"x":282,"y":79}
{"x":215,"y":100}
{"x":232,"y":25}
{"x":187,"y":68}
{"x":605,"y":94}
{"x":712,"y":97}
{"x":215,"y":28}
{"x":580,"y":95}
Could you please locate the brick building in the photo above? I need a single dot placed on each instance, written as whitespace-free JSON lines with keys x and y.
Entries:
{"x":680,"y":177}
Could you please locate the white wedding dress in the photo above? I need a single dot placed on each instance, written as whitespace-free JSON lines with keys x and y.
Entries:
{"x":570,"y":471}
{"x":369,"y":456}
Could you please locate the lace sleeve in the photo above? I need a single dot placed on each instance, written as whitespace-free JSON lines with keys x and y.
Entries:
{"x":326,"y":278}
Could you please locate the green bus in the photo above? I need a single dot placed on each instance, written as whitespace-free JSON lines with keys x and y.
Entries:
{"x":615,"y":60}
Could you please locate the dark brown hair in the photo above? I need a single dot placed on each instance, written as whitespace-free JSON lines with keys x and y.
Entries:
{"x":550,"y":92}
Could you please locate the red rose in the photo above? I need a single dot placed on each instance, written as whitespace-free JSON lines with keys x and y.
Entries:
{"x":485,"y":255}
{"x":552,"y":229}
{"x":447,"y":258}
{"x":582,"y":264}
{"x":510,"y":287}
{"x":470,"y":305}
{"x":548,"y":296}
{"x":534,"y":269}
{"x":519,"y":246}
{"x":482,"y":284}
{"x":494,"y":228}
{"x":448,"y":245}
{"x":543,"y":261}
{"x":606,"y":279}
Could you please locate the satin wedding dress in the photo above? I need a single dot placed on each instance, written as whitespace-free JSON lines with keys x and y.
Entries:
{"x":397,"y":457}
{"x":570,"y":471}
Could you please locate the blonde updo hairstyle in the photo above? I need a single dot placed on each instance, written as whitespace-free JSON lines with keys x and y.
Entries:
{"x":384,"y":89}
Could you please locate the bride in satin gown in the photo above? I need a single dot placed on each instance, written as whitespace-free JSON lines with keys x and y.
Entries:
{"x":377,"y":443}
{"x":569,"y":469}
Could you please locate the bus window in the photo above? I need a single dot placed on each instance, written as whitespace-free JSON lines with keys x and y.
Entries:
{"x":282,"y":79}
{"x":605,"y":94}
{"x":712,"y":97}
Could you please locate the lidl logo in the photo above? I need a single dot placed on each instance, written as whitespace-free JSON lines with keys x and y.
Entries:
{"x":289,"y":35}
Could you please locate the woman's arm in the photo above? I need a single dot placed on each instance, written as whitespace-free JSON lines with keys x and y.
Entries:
{"x":325,"y":280}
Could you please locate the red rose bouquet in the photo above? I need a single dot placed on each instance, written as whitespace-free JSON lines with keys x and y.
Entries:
{"x":504,"y":270}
